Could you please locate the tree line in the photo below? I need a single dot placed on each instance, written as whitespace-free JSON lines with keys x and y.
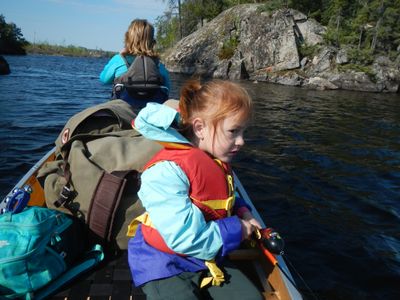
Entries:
{"x":366,"y":27}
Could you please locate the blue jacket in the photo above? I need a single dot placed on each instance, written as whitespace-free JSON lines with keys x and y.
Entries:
{"x":164,"y":193}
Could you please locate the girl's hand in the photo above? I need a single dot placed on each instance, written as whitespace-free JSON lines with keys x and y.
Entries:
{"x":248,"y":216}
{"x":247,"y":229}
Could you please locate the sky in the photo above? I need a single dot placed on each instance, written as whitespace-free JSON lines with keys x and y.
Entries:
{"x":93,"y":24}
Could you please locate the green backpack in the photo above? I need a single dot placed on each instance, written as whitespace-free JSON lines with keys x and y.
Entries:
{"x":96,"y":174}
{"x":40,"y":250}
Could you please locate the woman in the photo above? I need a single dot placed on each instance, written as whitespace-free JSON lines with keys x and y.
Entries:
{"x":140,"y":84}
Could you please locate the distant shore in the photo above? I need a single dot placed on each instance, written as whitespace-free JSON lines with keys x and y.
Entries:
{"x":70,"y":50}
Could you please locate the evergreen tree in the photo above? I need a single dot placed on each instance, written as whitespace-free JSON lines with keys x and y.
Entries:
{"x":11,"y":38}
{"x":167,"y":31}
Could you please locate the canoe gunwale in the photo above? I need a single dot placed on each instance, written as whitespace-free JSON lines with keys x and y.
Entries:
{"x":292,"y":290}
{"x":274,"y":282}
{"x":32,"y":171}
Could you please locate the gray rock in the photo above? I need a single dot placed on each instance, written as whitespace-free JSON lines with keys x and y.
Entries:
{"x":263,"y":47}
{"x":320,"y":84}
{"x":311,"y":31}
{"x":341,"y":57}
{"x":303,"y":62}
{"x":357,"y":81}
{"x":264,"y":41}
{"x":290,"y":78}
{"x":322,"y":61}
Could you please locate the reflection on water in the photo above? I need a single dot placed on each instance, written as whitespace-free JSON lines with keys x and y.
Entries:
{"x":322,"y":167}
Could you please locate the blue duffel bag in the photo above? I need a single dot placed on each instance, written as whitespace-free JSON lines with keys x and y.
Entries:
{"x":40,"y":250}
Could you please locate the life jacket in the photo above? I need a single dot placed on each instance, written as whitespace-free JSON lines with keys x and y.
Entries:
{"x":211,"y":186}
{"x":142,"y":82}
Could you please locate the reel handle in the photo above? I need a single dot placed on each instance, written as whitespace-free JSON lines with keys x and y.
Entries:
{"x":271,"y":240}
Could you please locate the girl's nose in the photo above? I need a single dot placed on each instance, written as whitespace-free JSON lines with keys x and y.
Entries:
{"x":240,"y":140}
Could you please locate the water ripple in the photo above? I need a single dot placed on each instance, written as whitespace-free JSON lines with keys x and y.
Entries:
{"x":321,"y":167}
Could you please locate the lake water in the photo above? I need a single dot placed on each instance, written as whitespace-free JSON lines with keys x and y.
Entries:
{"x":322,"y":167}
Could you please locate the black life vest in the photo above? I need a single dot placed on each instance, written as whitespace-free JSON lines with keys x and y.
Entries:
{"x":142,"y":81}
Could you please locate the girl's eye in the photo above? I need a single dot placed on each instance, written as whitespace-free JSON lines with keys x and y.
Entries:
{"x":233,"y":131}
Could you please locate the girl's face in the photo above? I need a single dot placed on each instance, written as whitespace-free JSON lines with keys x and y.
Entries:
{"x":224,"y":141}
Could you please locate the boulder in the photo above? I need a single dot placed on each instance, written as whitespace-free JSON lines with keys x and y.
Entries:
{"x":263,"y":41}
{"x":4,"y":67}
{"x":320,"y":84}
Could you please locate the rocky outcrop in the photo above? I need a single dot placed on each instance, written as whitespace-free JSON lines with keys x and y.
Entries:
{"x":245,"y":42}
{"x":4,"y":67}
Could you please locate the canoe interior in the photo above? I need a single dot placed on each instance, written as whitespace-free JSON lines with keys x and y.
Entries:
{"x":112,"y":278}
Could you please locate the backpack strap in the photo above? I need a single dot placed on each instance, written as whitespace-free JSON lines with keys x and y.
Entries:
{"x":105,"y":202}
{"x":125,"y":60}
{"x":92,"y":258}
{"x":107,"y":195}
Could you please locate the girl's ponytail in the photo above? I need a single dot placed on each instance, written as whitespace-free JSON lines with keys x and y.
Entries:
{"x":188,"y":101}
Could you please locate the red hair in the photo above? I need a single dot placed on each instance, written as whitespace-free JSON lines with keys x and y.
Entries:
{"x":213,"y":102}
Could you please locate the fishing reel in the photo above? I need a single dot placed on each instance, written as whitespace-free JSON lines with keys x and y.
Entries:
{"x":270,"y":239}
{"x":17,"y":200}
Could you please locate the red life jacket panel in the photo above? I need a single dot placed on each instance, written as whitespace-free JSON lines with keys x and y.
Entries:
{"x":211,"y":186}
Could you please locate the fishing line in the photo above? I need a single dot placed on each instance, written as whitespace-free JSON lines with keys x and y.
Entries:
{"x":271,"y":243}
{"x":288,"y":277}
{"x":298,"y":274}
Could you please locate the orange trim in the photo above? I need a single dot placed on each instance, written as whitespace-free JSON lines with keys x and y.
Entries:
{"x":37,"y":197}
{"x":268,"y":254}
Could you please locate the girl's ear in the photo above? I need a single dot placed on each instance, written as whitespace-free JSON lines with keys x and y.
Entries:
{"x":198,"y":128}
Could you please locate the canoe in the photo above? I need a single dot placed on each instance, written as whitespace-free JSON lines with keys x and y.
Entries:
{"x":112,"y":279}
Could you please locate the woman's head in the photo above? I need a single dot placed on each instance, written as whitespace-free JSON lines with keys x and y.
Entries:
{"x":215,"y":115}
{"x":139,"y":38}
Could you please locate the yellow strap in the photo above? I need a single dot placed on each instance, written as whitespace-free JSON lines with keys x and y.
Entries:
{"x":217,"y":276}
{"x":231,"y":190}
{"x":230,"y":183}
{"x":143,"y":218}
{"x":226,"y":204}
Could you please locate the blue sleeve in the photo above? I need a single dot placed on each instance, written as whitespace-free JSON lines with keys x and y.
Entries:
{"x":240,"y":202}
{"x":164,"y":194}
{"x":231,"y":232}
{"x":114,"y":68}
{"x":164,"y":73}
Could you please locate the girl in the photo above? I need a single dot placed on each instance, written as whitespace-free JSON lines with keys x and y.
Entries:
{"x":139,"y":42}
{"x":192,"y":218}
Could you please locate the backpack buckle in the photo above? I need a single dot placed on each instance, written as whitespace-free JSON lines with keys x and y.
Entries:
{"x":65,"y":196}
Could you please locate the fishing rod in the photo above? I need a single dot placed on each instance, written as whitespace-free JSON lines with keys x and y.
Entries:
{"x":270,"y":243}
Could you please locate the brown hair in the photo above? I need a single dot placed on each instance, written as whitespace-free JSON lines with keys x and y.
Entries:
{"x":213,"y":101}
{"x":139,"y":38}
